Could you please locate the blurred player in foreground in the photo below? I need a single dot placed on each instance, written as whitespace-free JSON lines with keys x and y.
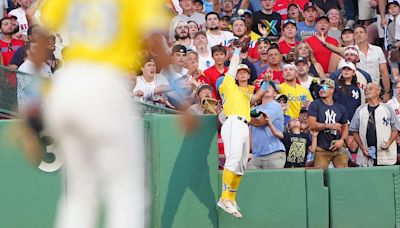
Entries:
{"x":94,"y":124}
{"x":235,"y":130}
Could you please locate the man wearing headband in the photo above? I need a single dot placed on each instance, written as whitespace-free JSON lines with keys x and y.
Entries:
{"x":329,"y":118}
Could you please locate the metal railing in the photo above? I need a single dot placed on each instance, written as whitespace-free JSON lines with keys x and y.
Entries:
{"x":9,"y":99}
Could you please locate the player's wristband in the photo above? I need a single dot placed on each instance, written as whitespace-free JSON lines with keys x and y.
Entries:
{"x":264,"y":86}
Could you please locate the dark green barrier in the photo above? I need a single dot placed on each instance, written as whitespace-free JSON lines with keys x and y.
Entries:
{"x":362,"y":197}
{"x":28,"y":196}
{"x":317,"y":199}
{"x":270,"y":198}
{"x":185,"y":172}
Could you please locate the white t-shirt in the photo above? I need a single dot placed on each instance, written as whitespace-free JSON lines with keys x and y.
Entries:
{"x":3,"y":7}
{"x":397,"y":28}
{"x":222,"y":39}
{"x":206,"y":62}
{"x":22,"y":21}
{"x":148,"y":87}
{"x":25,"y":81}
{"x":307,"y":83}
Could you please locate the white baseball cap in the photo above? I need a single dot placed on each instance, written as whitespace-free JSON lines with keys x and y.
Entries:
{"x":348,"y":65}
{"x":351,"y":50}
{"x":243,"y":67}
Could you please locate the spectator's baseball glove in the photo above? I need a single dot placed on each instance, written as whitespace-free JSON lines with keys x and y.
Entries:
{"x":209,"y":105}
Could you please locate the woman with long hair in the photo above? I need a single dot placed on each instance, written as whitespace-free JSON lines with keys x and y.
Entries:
{"x":336,"y":23}
{"x":348,"y":94}
{"x":304,"y":50}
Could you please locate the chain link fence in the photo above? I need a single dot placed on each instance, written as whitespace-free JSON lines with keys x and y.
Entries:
{"x":10,"y":80}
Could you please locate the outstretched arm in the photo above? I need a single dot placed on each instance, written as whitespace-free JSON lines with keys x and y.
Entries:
{"x":233,"y":66}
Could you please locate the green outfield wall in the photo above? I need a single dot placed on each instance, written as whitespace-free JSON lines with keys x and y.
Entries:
{"x":185,"y":185}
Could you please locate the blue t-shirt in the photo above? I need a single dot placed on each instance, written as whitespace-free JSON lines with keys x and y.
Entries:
{"x":208,"y":6}
{"x":304,"y":31}
{"x":263,"y":141}
{"x":328,"y":114}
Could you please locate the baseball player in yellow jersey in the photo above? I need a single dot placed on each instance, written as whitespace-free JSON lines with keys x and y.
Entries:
{"x":235,"y":133}
{"x":93,"y":122}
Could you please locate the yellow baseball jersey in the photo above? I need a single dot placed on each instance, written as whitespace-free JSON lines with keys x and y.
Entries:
{"x":105,"y":31}
{"x":235,"y":102}
{"x":248,"y":91}
{"x":295,"y":95}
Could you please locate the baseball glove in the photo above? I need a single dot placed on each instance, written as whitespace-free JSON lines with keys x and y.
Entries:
{"x":209,"y":105}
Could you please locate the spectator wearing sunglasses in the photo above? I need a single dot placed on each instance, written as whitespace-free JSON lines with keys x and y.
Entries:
{"x":329,"y":118}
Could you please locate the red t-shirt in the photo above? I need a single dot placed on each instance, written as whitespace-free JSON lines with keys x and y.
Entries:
{"x":253,"y":50}
{"x":321,"y":53}
{"x":8,"y":49}
{"x":285,"y":47}
{"x":281,"y":6}
{"x":211,"y":75}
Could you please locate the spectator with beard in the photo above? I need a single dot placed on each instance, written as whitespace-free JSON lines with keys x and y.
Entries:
{"x":218,"y":53}
{"x":182,"y":35}
{"x":266,"y":21}
{"x":214,"y":34}
{"x":321,"y":53}
{"x":330,"y":120}
{"x":298,"y":96}
{"x":34,"y":32}
{"x":193,"y":29}
{"x":8,"y":45}
{"x":262,"y":64}
{"x":20,"y":13}
{"x":203,"y":51}
{"x":306,"y":80}
{"x":187,"y":14}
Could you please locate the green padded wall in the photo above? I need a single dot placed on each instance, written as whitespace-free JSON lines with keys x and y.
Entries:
{"x":362,"y":197}
{"x":317,"y":199}
{"x":28,"y":196}
{"x":270,"y":199}
{"x":185,"y":172}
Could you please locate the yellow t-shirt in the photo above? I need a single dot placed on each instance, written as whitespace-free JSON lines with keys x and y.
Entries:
{"x":235,"y":102}
{"x":294,"y":95}
{"x":106,"y":31}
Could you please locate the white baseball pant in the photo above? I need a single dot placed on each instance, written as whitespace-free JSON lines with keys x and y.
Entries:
{"x":96,"y":128}
{"x":235,"y":135}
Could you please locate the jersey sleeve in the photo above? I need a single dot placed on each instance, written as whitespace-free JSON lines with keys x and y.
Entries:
{"x":150,"y":16}
{"x":53,"y":13}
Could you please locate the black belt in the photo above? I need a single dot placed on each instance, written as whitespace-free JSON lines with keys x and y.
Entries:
{"x":240,"y":118}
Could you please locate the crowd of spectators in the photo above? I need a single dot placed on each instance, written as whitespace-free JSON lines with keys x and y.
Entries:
{"x":333,"y":63}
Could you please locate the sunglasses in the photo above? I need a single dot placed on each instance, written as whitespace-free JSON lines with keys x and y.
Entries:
{"x":324,"y":87}
{"x":289,"y":21}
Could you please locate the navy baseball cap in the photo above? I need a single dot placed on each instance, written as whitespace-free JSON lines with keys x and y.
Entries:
{"x":322,"y":17}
